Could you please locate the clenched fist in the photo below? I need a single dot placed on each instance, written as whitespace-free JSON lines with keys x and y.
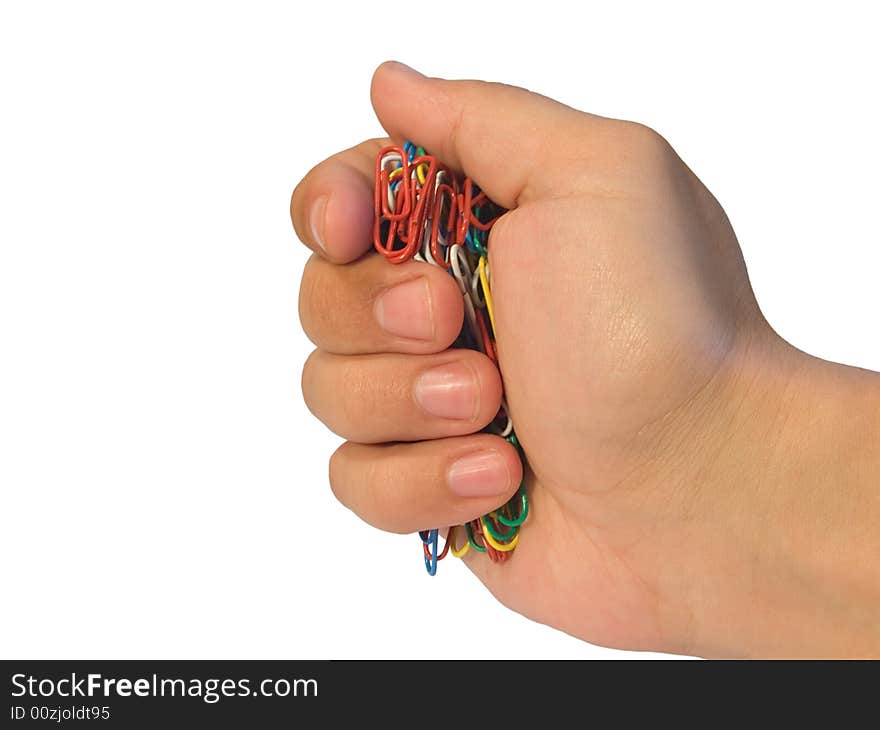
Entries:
{"x":697,"y":484}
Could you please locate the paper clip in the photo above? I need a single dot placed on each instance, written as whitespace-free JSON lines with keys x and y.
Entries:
{"x":429,"y":544}
{"x":425,"y":211}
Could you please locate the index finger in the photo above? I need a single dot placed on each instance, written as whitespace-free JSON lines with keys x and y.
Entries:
{"x":332,"y":207}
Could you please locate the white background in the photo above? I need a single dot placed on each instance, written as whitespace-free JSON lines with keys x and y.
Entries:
{"x":163,"y":490}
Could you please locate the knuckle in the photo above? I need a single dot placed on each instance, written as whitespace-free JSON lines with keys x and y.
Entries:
{"x":456,"y":125}
{"x":632,"y":157}
{"x":356,"y":397}
{"x":307,"y":381}
{"x":642,"y":133}
{"x":336,"y":471}
{"x":647,"y":145}
{"x":312,"y":298}
{"x":368,"y":400}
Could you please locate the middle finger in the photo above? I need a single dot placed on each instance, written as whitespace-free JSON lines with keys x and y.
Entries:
{"x":372,"y":306}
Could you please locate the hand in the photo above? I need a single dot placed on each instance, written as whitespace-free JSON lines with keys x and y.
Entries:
{"x":656,"y":407}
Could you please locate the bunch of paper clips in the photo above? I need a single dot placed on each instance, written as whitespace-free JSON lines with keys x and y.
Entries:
{"x":424,"y":211}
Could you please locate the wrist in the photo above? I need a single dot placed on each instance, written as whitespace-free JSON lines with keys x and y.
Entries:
{"x":787,"y":561}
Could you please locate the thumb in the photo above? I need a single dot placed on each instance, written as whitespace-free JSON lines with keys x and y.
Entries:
{"x":502,"y":137}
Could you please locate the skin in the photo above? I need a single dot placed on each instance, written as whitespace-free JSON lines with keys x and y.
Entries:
{"x":698,"y":485}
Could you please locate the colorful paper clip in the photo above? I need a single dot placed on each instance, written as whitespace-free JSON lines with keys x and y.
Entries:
{"x":425,"y":211}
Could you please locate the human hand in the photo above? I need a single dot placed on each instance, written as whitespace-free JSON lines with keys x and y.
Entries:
{"x":652,"y":400}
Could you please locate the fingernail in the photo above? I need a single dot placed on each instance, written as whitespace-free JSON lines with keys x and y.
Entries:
{"x":406,"y":69}
{"x":483,"y":474}
{"x":316,"y":220}
{"x":405,"y":310}
{"x":449,"y":391}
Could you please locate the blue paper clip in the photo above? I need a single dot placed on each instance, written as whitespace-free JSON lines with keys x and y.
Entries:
{"x":429,"y":537}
